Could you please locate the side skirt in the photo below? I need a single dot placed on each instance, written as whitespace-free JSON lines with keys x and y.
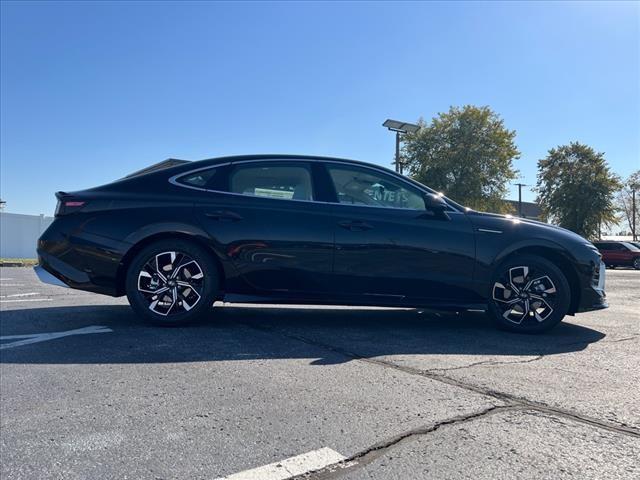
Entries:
{"x":391,"y":302}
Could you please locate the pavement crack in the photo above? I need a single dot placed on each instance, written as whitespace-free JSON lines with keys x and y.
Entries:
{"x":364,"y":457}
{"x":486,"y":363}
{"x":509,"y":399}
{"x":633,"y":337}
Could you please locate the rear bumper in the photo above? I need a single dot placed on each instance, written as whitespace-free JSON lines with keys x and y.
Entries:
{"x":46,"y":277}
{"x":79,"y":259}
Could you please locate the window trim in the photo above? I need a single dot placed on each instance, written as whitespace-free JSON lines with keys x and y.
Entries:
{"x":322,"y":162}
{"x":382,"y":170}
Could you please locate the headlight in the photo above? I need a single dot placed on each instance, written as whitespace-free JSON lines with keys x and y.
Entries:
{"x":593,"y":248}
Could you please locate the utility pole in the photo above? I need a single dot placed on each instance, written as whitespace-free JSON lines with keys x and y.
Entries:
{"x":398,"y":161}
{"x":520,"y":185}
{"x":633,"y":214}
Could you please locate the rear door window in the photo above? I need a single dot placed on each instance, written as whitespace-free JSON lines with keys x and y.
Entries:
{"x":284,"y":182}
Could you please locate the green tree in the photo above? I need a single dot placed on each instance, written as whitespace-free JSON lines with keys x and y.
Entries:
{"x":626,"y":202}
{"x":466,"y":153}
{"x":576,"y":189}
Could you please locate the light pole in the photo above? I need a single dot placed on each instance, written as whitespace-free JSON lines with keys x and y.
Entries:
{"x":520,"y":185}
{"x":400,"y":128}
{"x":633,"y":214}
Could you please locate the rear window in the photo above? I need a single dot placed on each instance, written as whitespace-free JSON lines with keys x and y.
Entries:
{"x":197,"y":179}
{"x":630,"y":246}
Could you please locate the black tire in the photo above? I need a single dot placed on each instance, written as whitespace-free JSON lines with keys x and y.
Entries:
{"x":528,"y":294}
{"x":188,"y":280}
{"x":636,"y":263}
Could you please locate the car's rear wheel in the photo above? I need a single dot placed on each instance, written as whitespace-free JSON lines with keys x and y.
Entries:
{"x":636,"y":263}
{"x":529,"y":294}
{"x":172,"y":282}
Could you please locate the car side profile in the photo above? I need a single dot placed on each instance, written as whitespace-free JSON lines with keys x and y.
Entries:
{"x":619,"y":254}
{"x":311,"y":230}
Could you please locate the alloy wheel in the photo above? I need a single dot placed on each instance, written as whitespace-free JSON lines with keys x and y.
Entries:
{"x":171,"y":283}
{"x":636,"y":263}
{"x":525,"y":295}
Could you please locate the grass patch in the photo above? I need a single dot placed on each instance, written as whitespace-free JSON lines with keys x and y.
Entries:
{"x":18,"y":262}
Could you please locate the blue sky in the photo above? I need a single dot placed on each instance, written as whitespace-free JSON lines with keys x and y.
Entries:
{"x":93,"y":91}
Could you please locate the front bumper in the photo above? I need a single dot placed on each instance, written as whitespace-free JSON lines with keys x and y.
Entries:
{"x":593,"y":296}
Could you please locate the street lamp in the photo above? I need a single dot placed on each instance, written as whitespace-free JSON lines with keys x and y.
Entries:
{"x":399,"y":127}
{"x":520,"y":185}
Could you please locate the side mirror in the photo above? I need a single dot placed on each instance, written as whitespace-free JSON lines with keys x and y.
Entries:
{"x":435,"y":203}
{"x":437,"y":206}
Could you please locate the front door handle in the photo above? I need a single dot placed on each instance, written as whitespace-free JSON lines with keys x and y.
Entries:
{"x":224,"y":216}
{"x":355,"y":225}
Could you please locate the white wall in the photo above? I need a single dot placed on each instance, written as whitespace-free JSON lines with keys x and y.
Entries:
{"x":19,"y":234}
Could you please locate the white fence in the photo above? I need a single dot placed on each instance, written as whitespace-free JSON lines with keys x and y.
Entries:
{"x":19,"y":234}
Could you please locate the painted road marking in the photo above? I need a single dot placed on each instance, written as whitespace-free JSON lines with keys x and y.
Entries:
{"x":20,"y":295}
{"x":290,"y":467}
{"x":28,"y":300}
{"x":43,"y":337}
{"x":11,"y":284}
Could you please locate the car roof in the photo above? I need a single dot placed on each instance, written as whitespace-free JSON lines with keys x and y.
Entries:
{"x":276,"y":156}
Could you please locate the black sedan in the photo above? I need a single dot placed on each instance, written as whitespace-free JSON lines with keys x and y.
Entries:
{"x":310,"y":230}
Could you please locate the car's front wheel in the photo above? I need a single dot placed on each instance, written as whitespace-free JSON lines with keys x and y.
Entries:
{"x":529,"y":294}
{"x":172,"y":282}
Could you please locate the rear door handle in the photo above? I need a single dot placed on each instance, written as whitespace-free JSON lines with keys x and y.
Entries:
{"x":224,"y":216}
{"x":355,"y":225}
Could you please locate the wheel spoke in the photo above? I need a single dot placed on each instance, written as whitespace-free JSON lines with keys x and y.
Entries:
{"x":189,"y":297}
{"x":541,"y":285}
{"x":164,"y":264}
{"x":189,"y":270}
{"x":540,"y":308}
{"x":517,"y":277}
{"x":517,"y":312}
{"x":503,"y":294}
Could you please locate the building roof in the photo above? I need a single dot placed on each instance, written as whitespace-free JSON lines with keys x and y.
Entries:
{"x":529,"y":209}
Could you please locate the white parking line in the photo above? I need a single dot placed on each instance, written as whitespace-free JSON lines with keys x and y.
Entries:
{"x":5,"y":279}
{"x":30,"y":294}
{"x":30,"y":338}
{"x":11,"y":284}
{"x":28,"y":300}
{"x":290,"y":467}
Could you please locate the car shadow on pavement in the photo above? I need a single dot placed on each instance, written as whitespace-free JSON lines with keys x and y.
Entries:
{"x":323,"y":335}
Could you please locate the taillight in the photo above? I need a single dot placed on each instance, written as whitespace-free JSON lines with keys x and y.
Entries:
{"x":68,"y":205}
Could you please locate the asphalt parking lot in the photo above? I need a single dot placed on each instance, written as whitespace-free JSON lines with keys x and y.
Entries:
{"x":88,"y":391}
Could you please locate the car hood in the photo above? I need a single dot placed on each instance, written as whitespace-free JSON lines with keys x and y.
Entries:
{"x":525,"y":226}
